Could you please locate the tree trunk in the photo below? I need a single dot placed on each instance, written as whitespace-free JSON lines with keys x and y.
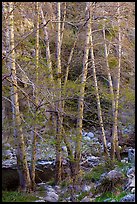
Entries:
{"x":59,"y":103}
{"x":82,"y":92}
{"x":115,"y":123}
{"x":48,"y":55}
{"x":98,"y":99}
{"x":25,"y":181}
{"x":34,"y":139}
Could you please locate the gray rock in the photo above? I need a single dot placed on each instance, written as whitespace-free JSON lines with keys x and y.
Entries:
{"x":131,"y":156}
{"x":87,"y":138}
{"x":128,"y":198}
{"x":109,"y":144}
{"x":84,"y":133}
{"x":131,"y":172}
{"x":90,"y":134}
{"x":51,"y":197}
{"x":93,"y":161}
{"x":114,"y":174}
{"x":39,"y":201}
{"x":86,"y":188}
{"x":86,"y":199}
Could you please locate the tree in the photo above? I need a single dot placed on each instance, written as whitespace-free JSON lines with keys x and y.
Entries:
{"x":98,"y":97}
{"x":34,"y":139}
{"x":59,"y":103}
{"x":25,"y":181}
{"x":115,"y":146}
{"x":82,"y":93}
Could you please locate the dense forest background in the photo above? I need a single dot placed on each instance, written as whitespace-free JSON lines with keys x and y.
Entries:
{"x":67,"y":68}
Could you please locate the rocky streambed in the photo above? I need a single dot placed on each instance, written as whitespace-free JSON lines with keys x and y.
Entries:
{"x":91,"y":158}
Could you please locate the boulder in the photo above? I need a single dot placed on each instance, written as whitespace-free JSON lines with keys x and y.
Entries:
{"x":114,"y":175}
{"x":110,"y":181}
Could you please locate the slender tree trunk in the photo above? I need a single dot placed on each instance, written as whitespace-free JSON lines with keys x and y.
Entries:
{"x":51,"y":82}
{"x":48,"y":55}
{"x":25,"y":181}
{"x":63,"y":23}
{"x":34,"y":139}
{"x":59,"y":103}
{"x":111,"y":90}
{"x":81,"y":97}
{"x":115,"y":124}
{"x":98,"y":99}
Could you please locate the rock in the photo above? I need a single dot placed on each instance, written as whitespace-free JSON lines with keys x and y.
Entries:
{"x":130,"y":186}
{"x":131,"y":179}
{"x":124,"y":160}
{"x":90,"y":134}
{"x":114,"y":175}
{"x":131,"y":172}
{"x":133,"y":190}
{"x":109,"y":145}
{"x":131,"y":156}
{"x":86,"y":188}
{"x":87,"y":138}
{"x":106,"y":179}
{"x":128,"y":198}
{"x":93,"y":161}
{"x":9,"y":163}
{"x":49,"y":189}
{"x":95,"y":139}
{"x":86,"y":199}
{"x":8,"y":153}
{"x":51,"y":197}
{"x":39,"y":201}
{"x":64,"y":148}
{"x":84,"y":133}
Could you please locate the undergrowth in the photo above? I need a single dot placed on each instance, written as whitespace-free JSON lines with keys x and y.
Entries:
{"x":14,"y":196}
